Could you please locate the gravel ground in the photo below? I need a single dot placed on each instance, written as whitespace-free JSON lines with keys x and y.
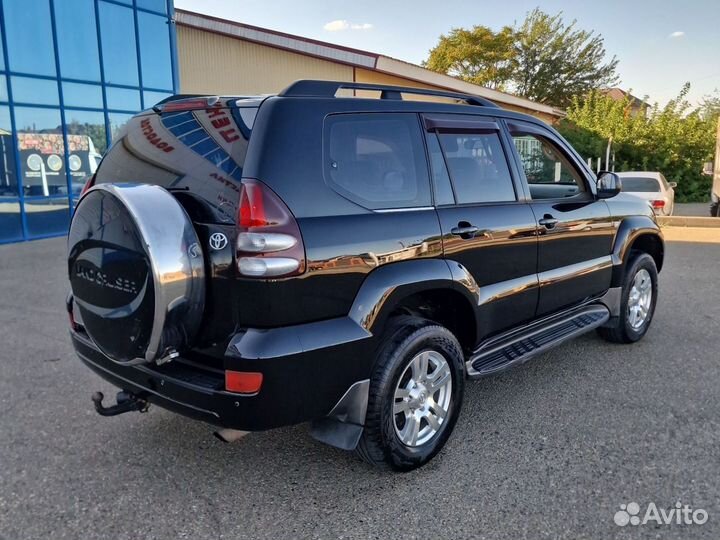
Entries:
{"x":548,"y":450}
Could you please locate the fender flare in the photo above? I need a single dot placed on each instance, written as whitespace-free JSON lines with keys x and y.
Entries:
{"x":629,"y":230}
{"x":386,"y":287}
{"x":381,"y":291}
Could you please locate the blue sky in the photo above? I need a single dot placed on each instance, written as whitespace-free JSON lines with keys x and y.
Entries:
{"x":660,"y":43}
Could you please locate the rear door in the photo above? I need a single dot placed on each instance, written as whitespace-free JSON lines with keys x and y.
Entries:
{"x":487,"y":225}
{"x":575,"y":230}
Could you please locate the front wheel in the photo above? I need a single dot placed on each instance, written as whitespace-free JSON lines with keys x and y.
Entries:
{"x":639,"y":296}
{"x":416,"y":390}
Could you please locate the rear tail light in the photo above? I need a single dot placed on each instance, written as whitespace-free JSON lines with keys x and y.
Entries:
{"x":659,"y":203}
{"x":269,"y":243}
{"x":259,"y":242}
{"x":268,"y":266}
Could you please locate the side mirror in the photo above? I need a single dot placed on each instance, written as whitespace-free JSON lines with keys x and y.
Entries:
{"x":673,"y":184}
{"x":608,"y":185}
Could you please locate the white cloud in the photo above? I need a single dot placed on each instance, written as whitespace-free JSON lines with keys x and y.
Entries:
{"x":336,"y":26}
{"x":677,"y":34}
{"x":342,"y":24}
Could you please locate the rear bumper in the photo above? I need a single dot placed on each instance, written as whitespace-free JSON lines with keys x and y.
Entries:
{"x":301,"y":382}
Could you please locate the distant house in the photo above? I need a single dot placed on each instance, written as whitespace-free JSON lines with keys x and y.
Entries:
{"x":637,"y":105}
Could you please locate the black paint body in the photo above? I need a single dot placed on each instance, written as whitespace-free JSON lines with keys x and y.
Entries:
{"x":314,"y":335}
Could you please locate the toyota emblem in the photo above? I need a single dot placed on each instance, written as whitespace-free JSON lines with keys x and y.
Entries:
{"x":218,"y":241}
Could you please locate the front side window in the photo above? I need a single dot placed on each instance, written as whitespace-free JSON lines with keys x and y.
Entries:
{"x":377,"y":161}
{"x":478,"y":167}
{"x":550,"y":175}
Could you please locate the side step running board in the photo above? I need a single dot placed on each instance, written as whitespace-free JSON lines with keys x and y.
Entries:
{"x":518,"y":346}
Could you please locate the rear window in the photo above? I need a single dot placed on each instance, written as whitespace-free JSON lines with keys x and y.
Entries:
{"x":377,"y":161}
{"x":640,"y":184}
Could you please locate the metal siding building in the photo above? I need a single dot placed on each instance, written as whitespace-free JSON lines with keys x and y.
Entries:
{"x":226,"y":57}
{"x":216,"y":64}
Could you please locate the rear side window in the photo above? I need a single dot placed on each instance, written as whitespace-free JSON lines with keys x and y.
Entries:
{"x":478,"y":167}
{"x":377,"y":160}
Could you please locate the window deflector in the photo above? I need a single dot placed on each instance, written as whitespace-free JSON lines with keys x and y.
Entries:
{"x":460,"y":125}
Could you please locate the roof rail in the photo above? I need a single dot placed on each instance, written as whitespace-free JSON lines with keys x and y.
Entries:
{"x":312,"y":88}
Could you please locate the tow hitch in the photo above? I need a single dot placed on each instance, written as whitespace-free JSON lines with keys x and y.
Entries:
{"x":126,"y":402}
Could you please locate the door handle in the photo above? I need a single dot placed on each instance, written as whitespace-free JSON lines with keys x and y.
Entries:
{"x":548,"y":221}
{"x":466,"y":231}
{"x":469,"y":230}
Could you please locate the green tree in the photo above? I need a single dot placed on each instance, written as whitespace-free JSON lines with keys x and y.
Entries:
{"x":710,"y":105}
{"x":675,"y":139}
{"x":542,"y":59}
{"x":478,"y":55}
{"x":96,"y":132}
{"x":556,"y":61}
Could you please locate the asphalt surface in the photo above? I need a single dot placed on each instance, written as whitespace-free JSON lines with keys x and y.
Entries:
{"x":548,"y":450}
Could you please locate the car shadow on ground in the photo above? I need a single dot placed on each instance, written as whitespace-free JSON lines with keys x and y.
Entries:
{"x":291,"y":452}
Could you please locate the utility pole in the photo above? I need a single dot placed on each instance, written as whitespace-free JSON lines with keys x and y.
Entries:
{"x":607,"y":154}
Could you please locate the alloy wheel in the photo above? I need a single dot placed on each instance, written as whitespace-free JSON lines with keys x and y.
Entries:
{"x":422,"y":398}
{"x":640,"y":299}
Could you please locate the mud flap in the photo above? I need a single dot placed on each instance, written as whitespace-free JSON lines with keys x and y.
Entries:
{"x":343,"y":427}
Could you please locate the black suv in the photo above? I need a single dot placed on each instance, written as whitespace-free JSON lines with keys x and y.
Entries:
{"x":346,"y":254}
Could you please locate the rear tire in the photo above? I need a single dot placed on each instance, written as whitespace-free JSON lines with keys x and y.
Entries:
{"x":636,"y":309}
{"x":416,"y":390}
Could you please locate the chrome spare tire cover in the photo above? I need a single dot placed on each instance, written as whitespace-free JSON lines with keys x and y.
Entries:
{"x":136,"y":272}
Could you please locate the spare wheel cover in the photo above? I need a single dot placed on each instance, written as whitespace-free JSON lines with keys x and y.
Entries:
{"x":136,"y":271}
